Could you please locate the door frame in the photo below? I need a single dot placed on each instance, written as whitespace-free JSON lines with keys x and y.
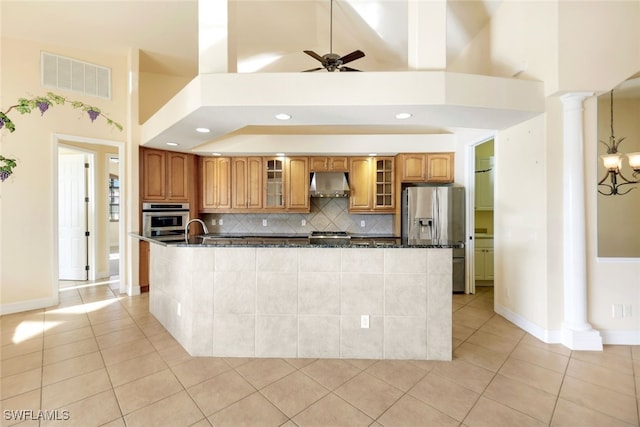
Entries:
{"x":470,"y":285}
{"x":57,"y":141}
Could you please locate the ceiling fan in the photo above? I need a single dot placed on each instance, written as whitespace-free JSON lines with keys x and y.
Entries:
{"x":332,"y":61}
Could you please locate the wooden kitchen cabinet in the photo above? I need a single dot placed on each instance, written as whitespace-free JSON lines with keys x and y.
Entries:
{"x":371,"y":183}
{"x":413,"y":167}
{"x":426,"y":167}
{"x":143,"y":266}
{"x":286,"y":184}
{"x":439,"y":167}
{"x":246,"y":183}
{"x":329,"y":164}
{"x":166,"y":176}
{"x":215,"y":184}
{"x":297,"y":184}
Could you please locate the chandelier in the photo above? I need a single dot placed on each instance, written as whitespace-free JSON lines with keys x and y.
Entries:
{"x":618,"y":184}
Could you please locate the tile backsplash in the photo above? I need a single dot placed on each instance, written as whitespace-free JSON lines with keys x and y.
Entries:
{"x":330,"y":214}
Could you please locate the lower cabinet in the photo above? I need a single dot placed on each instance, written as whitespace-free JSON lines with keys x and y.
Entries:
{"x":143,"y":273}
{"x":483,"y":259}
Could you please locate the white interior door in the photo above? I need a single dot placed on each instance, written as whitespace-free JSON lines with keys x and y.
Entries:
{"x":72,"y":217}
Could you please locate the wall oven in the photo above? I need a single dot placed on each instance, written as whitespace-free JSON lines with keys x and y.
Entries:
{"x":164,"y":221}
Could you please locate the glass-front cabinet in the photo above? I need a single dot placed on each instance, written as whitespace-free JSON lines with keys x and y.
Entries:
{"x":274,"y":181}
{"x":384,"y":195}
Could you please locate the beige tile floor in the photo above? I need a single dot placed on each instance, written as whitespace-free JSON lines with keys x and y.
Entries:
{"x":102,"y":359}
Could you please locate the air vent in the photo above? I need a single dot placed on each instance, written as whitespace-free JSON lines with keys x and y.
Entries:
{"x":60,"y":72}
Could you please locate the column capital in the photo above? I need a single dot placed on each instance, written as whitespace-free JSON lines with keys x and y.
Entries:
{"x":574,"y":97}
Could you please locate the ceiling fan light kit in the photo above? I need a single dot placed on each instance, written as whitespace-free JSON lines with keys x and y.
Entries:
{"x":332,"y":61}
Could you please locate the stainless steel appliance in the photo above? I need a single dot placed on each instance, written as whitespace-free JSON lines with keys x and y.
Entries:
{"x":329,"y":184}
{"x":436,"y":215}
{"x":329,"y":238}
{"x":165,"y":221}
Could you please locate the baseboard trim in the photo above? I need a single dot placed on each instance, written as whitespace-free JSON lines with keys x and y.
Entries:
{"x":550,"y":337}
{"x":555,"y":337}
{"x":35,"y":304}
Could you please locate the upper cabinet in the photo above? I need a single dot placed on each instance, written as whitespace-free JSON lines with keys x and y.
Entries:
{"x":426,"y":167}
{"x":484,"y":184}
{"x":329,"y":164}
{"x":215,"y":183}
{"x":246,"y":183}
{"x":166,"y":175}
{"x":286,"y":186}
{"x":371,"y":182}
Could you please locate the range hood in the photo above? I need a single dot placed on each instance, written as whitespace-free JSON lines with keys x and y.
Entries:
{"x":329,"y":184}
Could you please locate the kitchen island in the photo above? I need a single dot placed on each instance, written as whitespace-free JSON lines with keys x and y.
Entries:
{"x":293,"y":299}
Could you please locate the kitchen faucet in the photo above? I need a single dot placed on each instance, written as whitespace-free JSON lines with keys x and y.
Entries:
{"x":186,"y":229}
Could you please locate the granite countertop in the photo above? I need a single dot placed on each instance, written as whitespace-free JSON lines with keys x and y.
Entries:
{"x":297,"y":240}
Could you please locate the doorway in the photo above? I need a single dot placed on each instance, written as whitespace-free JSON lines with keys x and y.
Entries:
{"x":74,"y":194}
{"x":484,"y":173}
{"x":102,"y":226}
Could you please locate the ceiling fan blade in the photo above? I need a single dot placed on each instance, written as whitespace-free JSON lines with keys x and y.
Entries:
{"x":313,"y":69}
{"x":348,"y":69}
{"x":314,"y":55}
{"x":356,"y":54}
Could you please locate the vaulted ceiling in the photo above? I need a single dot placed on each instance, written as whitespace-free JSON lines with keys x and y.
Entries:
{"x":267,"y":35}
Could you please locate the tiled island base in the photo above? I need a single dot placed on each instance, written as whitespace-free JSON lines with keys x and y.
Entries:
{"x":305,"y":302}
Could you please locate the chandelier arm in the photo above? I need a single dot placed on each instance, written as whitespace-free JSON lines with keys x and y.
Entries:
{"x":627,"y":181}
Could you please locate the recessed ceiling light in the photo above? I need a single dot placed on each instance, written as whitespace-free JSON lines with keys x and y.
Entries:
{"x":280,"y":154}
{"x":173,"y":144}
{"x":373,"y":154}
{"x":402,"y":116}
{"x":216,"y":154}
{"x":203,"y":130}
{"x":283,"y":116}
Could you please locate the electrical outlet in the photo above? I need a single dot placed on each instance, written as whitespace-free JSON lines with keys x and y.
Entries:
{"x":220,"y":221}
{"x":626,"y":311}
{"x":264,"y":222}
{"x":362,"y":223}
{"x":213,"y":222}
{"x":303,"y":222}
{"x":616,"y":310}
{"x":364,"y":321}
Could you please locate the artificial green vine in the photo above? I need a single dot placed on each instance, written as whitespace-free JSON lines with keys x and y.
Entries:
{"x":42,"y":104}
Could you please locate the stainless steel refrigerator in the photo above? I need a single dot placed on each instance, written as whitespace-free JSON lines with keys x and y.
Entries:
{"x":436,"y":215}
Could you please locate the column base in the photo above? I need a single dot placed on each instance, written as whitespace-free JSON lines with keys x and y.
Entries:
{"x":589,"y":340}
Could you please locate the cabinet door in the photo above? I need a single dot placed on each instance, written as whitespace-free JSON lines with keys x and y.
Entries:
{"x":479,"y":264}
{"x":338,"y":164}
{"x":215,"y":175}
{"x":414,"y":167}
{"x":484,"y":184}
{"x":318,"y":164}
{"x":297,"y":184}
{"x":488,"y":264}
{"x":274,"y":183}
{"x":207,"y":183}
{"x":239,"y":183}
{"x":143,"y":266}
{"x":178,"y":170}
{"x":254,"y":181}
{"x":384,"y":197}
{"x":361,"y":187}
{"x":247,"y":183}
{"x":154,"y":174}
{"x":439,"y":167}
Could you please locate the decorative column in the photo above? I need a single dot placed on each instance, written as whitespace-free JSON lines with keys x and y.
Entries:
{"x":577,"y":333}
